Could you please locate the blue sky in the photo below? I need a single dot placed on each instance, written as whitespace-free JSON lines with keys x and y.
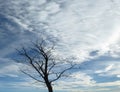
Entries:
{"x":88,"y":30}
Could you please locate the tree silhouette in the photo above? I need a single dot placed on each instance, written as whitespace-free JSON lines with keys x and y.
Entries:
{"x":48,"y":67}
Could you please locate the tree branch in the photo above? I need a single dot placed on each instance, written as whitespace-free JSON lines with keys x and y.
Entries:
{"x":24,"y":53}
{"x":32,"y":76}
{"x":61,"y":73}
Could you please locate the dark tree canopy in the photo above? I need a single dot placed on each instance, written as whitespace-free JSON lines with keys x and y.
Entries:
{"x":47,"y":66}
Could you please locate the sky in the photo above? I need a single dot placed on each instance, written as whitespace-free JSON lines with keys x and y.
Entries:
{"x":88,"y":30}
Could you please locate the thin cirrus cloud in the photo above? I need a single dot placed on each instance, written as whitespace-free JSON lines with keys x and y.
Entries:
{"x":80,"y":27}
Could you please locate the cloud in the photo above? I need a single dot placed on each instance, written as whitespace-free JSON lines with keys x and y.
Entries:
{"x":80,"y":27}
{"x":109,"y":84}
{"x":9,"y":68}
{"x":111,"y":69}
{"x":77,"y":80}
{"x":108,"y":68}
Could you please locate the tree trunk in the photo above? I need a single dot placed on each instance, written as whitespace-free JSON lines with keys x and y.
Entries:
{"x":49,"y":86}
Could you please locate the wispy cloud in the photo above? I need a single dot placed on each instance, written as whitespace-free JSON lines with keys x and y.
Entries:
{"x":81,"y":27}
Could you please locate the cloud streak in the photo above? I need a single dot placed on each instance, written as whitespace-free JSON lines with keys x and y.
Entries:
{"x":79,"y":27}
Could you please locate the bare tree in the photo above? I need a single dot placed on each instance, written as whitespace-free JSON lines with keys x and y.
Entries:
{"x":48,"y":68}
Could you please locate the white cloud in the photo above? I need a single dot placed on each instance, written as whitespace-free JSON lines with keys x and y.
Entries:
{"x":82,"y":78}
{"x":9,"y":68}
{"x":109,"y":67}
{"x":108,"y":84}
{"x":77,"y":80}
{"x":52,"y":8}
{"x":92,"y":31}
{"x":81,"y":26}
{"x":112,"y":69}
